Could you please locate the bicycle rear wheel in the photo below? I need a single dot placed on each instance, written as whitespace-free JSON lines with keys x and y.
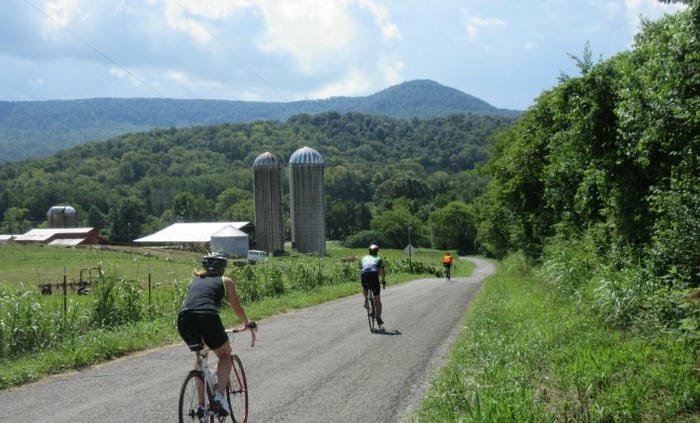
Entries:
{"x":237,"y":391}
{"x":370,"y":310}
{"x":194,"y":402}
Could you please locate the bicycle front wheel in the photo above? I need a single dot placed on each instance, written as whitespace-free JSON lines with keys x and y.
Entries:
{"x":237,"y":391}
{"x":194,"y":403}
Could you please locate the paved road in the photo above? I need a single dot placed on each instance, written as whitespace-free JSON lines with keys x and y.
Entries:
{"x":319,"y":364}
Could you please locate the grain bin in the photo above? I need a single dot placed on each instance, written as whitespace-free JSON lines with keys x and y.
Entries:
{"x":267,"y":192}
{"x":307,"y":206}
{"x":61,"y":217}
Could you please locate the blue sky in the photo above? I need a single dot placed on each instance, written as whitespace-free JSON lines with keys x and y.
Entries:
{"x":504,"y":52}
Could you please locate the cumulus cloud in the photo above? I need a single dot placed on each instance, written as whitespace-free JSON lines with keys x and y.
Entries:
{"x":392,"y":72}
{"x":355,"y":81}
{"x":648,"y":9}
{"x":477,"y":24}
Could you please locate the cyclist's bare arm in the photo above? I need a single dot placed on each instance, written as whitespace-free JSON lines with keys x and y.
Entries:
{"x":251,"y":325}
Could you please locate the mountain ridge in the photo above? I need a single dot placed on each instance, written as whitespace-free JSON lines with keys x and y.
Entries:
{"x":30,"y":129}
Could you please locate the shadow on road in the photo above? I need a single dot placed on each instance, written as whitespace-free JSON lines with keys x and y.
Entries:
{"x":387,"y":332}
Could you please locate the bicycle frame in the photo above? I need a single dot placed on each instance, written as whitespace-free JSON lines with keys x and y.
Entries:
{"x":205,"y":386}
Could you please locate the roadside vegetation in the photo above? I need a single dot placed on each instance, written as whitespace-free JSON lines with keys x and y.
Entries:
{"x":595,"y":194}
{"x":47,"y":334}
{"x":530,"y":354}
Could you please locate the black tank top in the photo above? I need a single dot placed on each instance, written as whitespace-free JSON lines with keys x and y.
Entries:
{"x":204,"y":295}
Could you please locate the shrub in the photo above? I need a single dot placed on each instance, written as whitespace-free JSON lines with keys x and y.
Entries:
{"x":362,"y":239}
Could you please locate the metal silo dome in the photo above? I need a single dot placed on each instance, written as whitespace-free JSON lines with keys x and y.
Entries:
{"x":306,"y":155}
{"x":61,"y":217}
{"x":307,"y":207}
{"x":267,"y":193}
{"x":267,"y":159}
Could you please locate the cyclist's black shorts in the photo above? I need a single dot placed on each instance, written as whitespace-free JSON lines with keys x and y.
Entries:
{"x":370,"y":280}
{"x":196,"y":328}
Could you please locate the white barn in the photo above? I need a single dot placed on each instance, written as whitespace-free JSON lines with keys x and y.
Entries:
{"x":202,"y":233}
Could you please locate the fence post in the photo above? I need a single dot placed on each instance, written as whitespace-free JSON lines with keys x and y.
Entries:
{"x":65,"y":295}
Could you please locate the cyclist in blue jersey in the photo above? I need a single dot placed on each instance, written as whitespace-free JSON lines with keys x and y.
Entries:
{"x":199,"y":322}
{"x":371,"y":274}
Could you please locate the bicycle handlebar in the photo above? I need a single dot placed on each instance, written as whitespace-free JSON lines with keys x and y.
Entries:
{"x":253,"y":328}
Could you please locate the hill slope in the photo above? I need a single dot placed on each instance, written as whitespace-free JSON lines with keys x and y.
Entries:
{"x":40,"y":128}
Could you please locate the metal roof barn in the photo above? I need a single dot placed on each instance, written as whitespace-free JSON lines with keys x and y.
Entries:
{"x":188,"y":233}
{"x":307,"y":208}
{"x":267,"y":192}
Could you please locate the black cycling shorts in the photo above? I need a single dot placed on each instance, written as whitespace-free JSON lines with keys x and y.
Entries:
{"x":370,"y":281}
{"x":196,"y":328}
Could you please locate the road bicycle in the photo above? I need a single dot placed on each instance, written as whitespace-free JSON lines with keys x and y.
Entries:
{"x":197,"y":394}
{"x":448,"y":270}
{"x":369,"y":305}
{"x":371,"y":312}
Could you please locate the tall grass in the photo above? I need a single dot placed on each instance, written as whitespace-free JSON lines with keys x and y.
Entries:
{"x":530,"y":354}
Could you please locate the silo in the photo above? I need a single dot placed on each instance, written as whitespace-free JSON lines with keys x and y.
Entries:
{"x":267,"y":192}
{"x":307,"y":206}
{"x":61,"y":217}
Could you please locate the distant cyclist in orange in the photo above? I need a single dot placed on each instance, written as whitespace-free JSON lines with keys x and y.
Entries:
{"x":447,"y":264}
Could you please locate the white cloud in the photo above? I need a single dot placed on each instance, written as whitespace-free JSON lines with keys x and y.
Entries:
{"x":381,"y":18}
{"x":649,"y":9}
{"x":61,"y":11}
{"x":392,"y":72}
{"x":190,"y":83}
{"x":355,"y":82}
{"x":308,"y":30}
{"x":476,"y":24}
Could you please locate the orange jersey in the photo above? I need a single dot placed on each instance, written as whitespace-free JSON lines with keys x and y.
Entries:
{"x":447,"y":260}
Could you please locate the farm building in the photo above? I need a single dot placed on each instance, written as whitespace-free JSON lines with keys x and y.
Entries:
{"x":202,"y":234}
{"x":62,"y":237}
{"x":230,"y":241}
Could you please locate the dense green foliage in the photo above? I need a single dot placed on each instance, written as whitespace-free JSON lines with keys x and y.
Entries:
{"x":528,"y":354}
{"x":376,"y":167}
{"x":40,"y":128}
{"x":599,"y":182}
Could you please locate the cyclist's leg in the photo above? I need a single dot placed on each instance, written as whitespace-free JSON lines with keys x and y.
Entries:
{"x":377,"y":302}
{"x":223,"y":367}
{"x":216,"y":338}
{"x":365,"y":284}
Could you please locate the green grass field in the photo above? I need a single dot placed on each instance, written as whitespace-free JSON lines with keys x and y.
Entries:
{"x":33,"y":265}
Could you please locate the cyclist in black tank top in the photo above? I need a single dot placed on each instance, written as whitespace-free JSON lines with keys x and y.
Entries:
{"x":199,"y":322}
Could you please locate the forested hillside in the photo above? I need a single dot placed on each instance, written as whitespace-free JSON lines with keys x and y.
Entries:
{"x":382,"y":174}
{"x":40,"y":128}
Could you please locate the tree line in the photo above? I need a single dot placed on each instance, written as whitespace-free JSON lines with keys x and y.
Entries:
{"x":382,"y":175}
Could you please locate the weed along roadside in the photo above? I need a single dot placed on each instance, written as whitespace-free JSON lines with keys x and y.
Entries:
{"x":47,"y":334}
{"x":527,"y":353}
